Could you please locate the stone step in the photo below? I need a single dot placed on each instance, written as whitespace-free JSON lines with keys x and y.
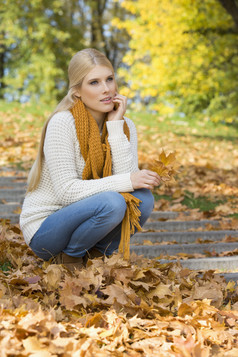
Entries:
{"x":9,"y":208}
{"x":12,"y":200}
{"x":179,"y":226}
{"x":202,"y":264}
{"x":8,"y":186}
{"x":12,"y":179}
{"x":230,"y":276}
{"x":164,"y":215}
{"x":15,"y":195}
{"x":14,"y":218}
{"x":152,"y":251}
{"x":12,"y":192}
{"x":182,"y":237}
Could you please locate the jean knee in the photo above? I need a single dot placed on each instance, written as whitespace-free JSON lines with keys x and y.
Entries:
{"x":115,"y":205}
{"x":147,"y":203}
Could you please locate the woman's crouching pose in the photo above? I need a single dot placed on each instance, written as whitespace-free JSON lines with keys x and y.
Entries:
{"x":85,"y":191}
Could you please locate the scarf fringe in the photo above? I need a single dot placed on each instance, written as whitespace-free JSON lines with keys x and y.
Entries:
{"x":129,"y":224}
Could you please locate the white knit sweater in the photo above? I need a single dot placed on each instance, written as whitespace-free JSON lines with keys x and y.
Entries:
{"x":61,"y":178}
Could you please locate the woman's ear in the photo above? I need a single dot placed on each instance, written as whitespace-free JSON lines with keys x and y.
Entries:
{"x":77,"y":94}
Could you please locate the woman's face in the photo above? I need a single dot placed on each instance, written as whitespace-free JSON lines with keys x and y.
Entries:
{"x":98,"y":90}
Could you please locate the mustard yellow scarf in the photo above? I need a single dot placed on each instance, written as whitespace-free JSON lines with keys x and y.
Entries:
{"x":96,"y":152}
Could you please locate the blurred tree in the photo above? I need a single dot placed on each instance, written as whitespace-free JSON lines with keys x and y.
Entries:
{"x":29,"y":39}
{"x":105,"y":37}
{"x":38,"y":38}
{"x":183,"y":55}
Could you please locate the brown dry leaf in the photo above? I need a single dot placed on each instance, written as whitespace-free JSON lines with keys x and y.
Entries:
{"x":160,"y":291}
{"x":147,"y":242}
{"x":3,"y":290}
{"x":33,"y":346}
{"x":224,"y":209}
{"x":53,"y":276}
{"x":117,"y":293}
{"x":209,"y":291}
{"x":188,"y":348}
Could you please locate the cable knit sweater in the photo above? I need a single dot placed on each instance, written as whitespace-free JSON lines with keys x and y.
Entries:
{"x":61,"y":178}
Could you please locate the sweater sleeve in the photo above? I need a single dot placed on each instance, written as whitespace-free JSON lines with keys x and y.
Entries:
{"x":124,"y":152}
{"x":60,"y":159}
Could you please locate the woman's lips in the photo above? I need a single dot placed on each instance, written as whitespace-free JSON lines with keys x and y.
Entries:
{"x":106,"y":100}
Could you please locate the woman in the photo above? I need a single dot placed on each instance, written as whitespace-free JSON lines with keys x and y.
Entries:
{"x":86,"y":173}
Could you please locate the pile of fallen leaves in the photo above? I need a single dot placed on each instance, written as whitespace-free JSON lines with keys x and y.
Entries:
{"x":112,"y":308}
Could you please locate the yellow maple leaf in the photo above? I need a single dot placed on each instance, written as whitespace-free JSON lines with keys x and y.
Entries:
{"x":161,"y":169}
{"x":167,"y":160}
{"x":166,"y":167}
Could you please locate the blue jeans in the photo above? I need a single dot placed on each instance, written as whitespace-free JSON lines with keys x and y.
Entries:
{"x":91,"y":222}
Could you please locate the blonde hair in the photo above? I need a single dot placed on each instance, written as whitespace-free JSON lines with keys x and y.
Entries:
{"x":79,"y":66}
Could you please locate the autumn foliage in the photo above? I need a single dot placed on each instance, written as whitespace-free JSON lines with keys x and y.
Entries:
{"x":112,"y":308}
{"x":182,"y":56}
{"x":165,"y":166}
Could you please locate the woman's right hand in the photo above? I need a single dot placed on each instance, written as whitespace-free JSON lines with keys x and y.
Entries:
{"x":144,"y":179}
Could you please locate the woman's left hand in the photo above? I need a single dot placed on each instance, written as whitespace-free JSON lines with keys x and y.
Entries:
{"x":119,"y":108}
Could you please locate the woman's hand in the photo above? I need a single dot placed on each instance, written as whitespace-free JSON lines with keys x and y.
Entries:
{"x":144,"y":179}
{"x":119,"y":108}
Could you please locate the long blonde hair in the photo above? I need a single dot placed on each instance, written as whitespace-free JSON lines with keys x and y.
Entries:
{"x":79,"y":66}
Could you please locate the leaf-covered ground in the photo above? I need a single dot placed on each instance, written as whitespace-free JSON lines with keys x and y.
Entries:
{"x":207,"y":153}
{"x":112,"y":308}
{"x":116,"y":307}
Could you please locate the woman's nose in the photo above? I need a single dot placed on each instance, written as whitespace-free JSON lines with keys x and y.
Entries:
{"x":105,"y":87}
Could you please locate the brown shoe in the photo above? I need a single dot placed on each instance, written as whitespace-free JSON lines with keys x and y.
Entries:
{"x":70,"y":262}
{"x":91,"y":254}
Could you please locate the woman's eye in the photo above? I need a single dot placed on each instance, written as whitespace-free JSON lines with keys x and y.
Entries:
{"x":110,"y":79}
{"x":94,"y":82}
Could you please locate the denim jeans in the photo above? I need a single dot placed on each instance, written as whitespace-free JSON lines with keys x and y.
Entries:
{"x":91,"y":222}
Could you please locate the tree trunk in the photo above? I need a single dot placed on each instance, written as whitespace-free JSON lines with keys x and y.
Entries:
{"x":2,"y":67}
{"x":231,"y":7}
{"x":97,"y":31}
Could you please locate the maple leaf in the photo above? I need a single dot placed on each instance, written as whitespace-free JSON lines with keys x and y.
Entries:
{"x":118,"y":293}
{"x":167,"y":160}
{"x":166,"y":166}
{"x":53,"y":276}
{"x":161,"y":170}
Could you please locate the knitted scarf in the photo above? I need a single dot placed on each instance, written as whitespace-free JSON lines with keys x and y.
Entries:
{"x":96,"y":152}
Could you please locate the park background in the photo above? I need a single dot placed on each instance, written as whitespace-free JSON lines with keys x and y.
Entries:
{"x":177,"y":62}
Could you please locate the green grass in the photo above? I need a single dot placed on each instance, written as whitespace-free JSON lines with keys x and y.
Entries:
{"x":161,"y":197}
{"x":179,"y":126}
{"x":234,"y":215}
{"x":5,"y":266}
{"x":25,"y":108}
{"x":204,"y":204}
{"x":184,"y":126}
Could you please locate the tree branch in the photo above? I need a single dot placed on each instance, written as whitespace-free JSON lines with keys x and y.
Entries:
{"x":218,"y":31}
